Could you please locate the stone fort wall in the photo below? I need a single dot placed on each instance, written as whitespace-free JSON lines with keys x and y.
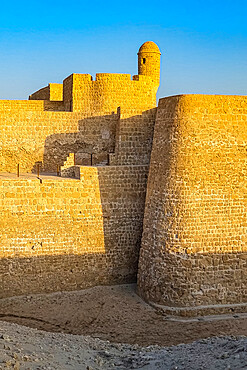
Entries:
{"x":108,"y":92}
{"x":80,"y":93}
{"x":63,"y":233}
{"x":30,"y":134}
{"x":66,"y":234}
{"x":194,"y":246}
{"x":80,"y":116}
{"x":71,"y":233}
{"x":41,"y":131}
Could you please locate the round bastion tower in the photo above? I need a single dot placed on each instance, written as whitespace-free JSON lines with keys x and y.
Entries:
{"x":149,"y":61}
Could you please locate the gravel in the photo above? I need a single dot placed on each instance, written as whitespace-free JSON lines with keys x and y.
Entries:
{"x":26,"y":348}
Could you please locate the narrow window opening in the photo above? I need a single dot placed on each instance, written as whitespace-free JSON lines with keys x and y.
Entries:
{"x":144,"y":60}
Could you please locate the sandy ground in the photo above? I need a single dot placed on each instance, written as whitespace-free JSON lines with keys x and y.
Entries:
{"x":116,"y":314}
{"x":24,"y":348}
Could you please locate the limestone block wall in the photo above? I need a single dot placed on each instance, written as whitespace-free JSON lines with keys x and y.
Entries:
{"x":194,"y":247}
{"x":78,"y":117}
{"x":93,"y":135}
{"x":108,"y":92}
{"x":52,"y":92}
{"x":114,"y":90}
{"x":56,"y":92}
{"x":54,"y":106}
{"x":65,"y":234}
{"x":134,"y":137}
{"x":81,"y":93}
{"x":32,"y":132}
{"x":68,"y":93}
{"x":41,"y":94}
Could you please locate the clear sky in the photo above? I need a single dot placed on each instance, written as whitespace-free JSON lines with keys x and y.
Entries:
{"x":203,"y":43}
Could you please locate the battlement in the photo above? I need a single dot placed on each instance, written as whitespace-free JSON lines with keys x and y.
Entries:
{"x":120,"y":77}
{"x":108,"y":91}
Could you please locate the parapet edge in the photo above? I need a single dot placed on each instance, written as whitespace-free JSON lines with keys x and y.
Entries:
{"x":209,"y":96}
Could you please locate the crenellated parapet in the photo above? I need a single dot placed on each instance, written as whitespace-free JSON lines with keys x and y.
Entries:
{"x":108,"y":91}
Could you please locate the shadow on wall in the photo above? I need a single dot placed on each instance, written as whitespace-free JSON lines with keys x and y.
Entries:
{"x":68,"y":234}
{"x":95,"y":135}
{"x":129,"y":138}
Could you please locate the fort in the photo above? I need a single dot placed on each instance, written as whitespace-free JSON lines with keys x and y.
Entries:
{"x":146,"y":193}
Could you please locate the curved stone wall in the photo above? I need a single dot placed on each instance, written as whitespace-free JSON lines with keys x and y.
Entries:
{"x":194,"y":240}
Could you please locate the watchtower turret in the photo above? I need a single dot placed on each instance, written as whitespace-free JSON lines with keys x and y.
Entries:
{"x":149,"y":61}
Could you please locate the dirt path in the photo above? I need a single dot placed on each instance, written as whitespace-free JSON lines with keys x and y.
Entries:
{"x":112,"y":313}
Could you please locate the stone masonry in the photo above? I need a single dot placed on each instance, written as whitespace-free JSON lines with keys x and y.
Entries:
{"x":194,"y":243}
{"x":87,"y":226}
{"x":84,"y":228}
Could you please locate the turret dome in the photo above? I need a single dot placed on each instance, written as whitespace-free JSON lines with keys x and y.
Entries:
{"x":149,"y":47}
{"x":149,"y":62}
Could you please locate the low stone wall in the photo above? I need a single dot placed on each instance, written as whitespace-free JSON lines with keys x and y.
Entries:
{"x":65,"y":234}
{"x":194,"y":244}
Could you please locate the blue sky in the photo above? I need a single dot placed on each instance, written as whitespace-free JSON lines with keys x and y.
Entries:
{"x":203,"y":43}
